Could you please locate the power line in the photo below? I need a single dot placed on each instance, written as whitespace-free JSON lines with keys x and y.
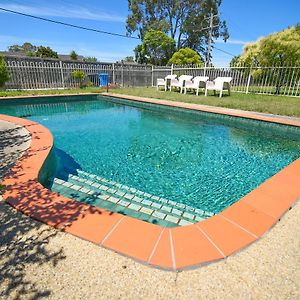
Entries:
{"x":68,"y":24}
{"x":224,"y":51}
{"x":91,"y":29}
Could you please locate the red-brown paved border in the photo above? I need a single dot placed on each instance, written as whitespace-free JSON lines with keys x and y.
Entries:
{"x":172,"y":249}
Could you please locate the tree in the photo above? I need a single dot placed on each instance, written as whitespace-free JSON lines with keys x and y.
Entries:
{"x":15,"y":48}
{"x":46,"y":52}
{"x":278,"y":49}
{"x":30,"y":54}
{"x":235,"y":61}
{"x":139,"y":53}
{"x":182,"y":20}
{"x":73,"y":55}
{"x":90,"y":59}
{"x":79,"y":75}
{"x":281,"y":48}
{"x":129,"y":59}
{"x":157,"y":48}
{"x":4,"y":75}
{"x":26,"y":47}
{"x":186,"y":56}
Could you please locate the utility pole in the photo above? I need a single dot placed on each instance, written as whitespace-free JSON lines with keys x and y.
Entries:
{"x":210,"y":37}
{"x":211,"y":27}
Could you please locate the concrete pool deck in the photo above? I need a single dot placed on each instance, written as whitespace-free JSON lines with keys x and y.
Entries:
{"x":38,"y":261}
{"x":173,"y":249}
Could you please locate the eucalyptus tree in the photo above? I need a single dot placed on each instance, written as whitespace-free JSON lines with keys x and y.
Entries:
{"x":183,"y":20}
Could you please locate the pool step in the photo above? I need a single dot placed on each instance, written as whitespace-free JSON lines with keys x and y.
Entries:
{"x":163,"y":210}
{"x":119,"y":205}
{"x":99,"y":199}
{"x":121,"y":187}
{"x":98,"y":191}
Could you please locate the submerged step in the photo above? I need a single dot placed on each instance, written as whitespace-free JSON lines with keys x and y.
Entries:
{"x":163,"y":206}
{"x":101,"y":180}
{"x":130,"y":201}
{"x":115,"y":204}
{"x":121,"y":198}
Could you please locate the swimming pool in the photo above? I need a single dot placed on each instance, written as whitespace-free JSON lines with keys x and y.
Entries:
{"x":180,"y":165}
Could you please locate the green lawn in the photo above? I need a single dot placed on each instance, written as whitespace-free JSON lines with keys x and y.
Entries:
{"x":4,"y":93}
{"x":279,"y":105}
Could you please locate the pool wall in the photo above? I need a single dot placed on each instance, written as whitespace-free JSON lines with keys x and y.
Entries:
{"x":168,"y":248}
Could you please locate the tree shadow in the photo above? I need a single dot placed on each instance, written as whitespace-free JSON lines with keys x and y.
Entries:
{"x":11,"y":147}
{"x":23,"y":243}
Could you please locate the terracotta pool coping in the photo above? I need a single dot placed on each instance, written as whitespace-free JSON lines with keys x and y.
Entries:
{"x":168,"y":248}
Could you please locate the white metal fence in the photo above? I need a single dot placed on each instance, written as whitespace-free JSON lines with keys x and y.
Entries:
{"x":35,"y":73}
{"x":278,"y":80}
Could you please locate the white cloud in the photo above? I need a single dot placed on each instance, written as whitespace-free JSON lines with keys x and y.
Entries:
{"x":232,"y":42}
{"x":75,"y":12}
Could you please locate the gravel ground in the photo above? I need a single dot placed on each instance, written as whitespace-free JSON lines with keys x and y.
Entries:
{"x":14,"y":140}
{"x":38,"y":262}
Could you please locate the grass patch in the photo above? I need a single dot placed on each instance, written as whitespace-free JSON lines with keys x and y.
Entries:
{"x":4,"y":93}
{"x":278,"y":105}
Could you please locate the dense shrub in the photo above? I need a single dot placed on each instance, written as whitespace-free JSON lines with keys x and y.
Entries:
{"x":4,"y":75}
{"x":185,"y":56}
{"x":79,"y":75}
{"x":87,"y":84}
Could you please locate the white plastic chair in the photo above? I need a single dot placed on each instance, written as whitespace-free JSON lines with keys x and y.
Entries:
{"x":164,"y":82}
{"x":180,"y":82}
{"x":219,"y":84}
{"x":195,"y":84}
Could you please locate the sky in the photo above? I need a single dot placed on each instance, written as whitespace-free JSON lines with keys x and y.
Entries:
{"x":247,"y":21}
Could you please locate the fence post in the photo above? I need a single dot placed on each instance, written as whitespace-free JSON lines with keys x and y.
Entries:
{"x":114,"y":75}
{"x":205,"y":69}
{"x":249,"y":79}
{"x":122,"y":74}
{"x":172,"y":69}
{"x":152,"y":76}
{"x":62,"y":74}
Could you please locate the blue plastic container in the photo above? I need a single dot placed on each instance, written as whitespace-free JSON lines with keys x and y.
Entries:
{"x":103,"y":79}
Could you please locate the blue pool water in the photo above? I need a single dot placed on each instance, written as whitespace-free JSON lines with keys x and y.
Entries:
{"x":203,"y":160}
